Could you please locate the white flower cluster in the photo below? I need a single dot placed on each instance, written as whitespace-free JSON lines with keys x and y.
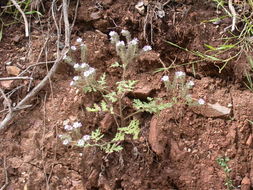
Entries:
{"x":147,"y":48}
{"x":201,"y":101}
{"x":87,"y":73}
{"x":66,"y":139}
{"x":131,"y":43}
{"x":80,"y":42}
{"x":81,"y":142}
{"x":75,"y":125}
{"x":165,"y":78}
{"x":179,"y":74}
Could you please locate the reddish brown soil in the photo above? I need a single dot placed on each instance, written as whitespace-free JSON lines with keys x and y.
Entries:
{"x":177,"y":149}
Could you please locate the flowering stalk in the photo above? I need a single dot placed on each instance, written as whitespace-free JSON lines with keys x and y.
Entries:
{"x":129,"y":51}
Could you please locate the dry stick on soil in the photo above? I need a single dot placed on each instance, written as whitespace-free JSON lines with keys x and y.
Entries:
{"x":34,"y":65}
{"x":36,"y":89}
{"x":15,"y":78}
{"x":6,"y":176}
{"x":23,"y":15}
{"x":7,"y":101}
{"x":66,"y":22}
{"x":232,"y":10}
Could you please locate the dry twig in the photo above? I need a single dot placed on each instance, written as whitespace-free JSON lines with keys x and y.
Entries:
{"x":23,"y":15}
{"x":6,"y":176}
{"x":36,"y":89}
{"x":232,"y":10}
{"x":15,"y":78}
{"x":66,"y":22}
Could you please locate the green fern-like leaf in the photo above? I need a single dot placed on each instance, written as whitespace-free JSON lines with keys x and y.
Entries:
{"x":118,"y":137}
{"x":116,"y":64}
{"x":96,"y":135}
{"x":102,"y":81}
{"x":87,"y":89}
{"x":132,"y":128}
{"x":95,"y":108}
{"x":111,"y":97}
{"x":113,"y":148}
{"x":152,"y":106}
{"x":104,"y":106}
{"x":125,"y":86}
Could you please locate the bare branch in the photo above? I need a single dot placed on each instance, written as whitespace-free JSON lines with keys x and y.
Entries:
{"x":36,"y":89}
{"x":6,"y":176}
{"x":66,"y":22}
{"x":15,"y":78}
{"x":23,"y":15}
{"x":232,"y":10}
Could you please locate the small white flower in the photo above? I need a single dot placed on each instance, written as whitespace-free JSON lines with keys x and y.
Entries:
{"x":165,"y":78}
{"x":76,"y":66}
{"x":161,"y":13}
{"x":60,"y":136}
{"x":125,"y":32}
{"x":82,"y":44}
{"x":76,"y":78}
{"x":79,"y":40}
{"x":68,"y":127}
{"x":201,"y":101}
{"x":134,"y":41}
{"x":73,"y":48}
{"x":80,"y":142}
{"x":72,"y":83}
{"x":84,"y":65}
{"x":147,"y":48}
{"x":113,"y":33}
{"x":179,"y":74}
{"x":190,"y":83}
{"x":86,"y":73}
{"x":120,"y":44}
{"x":92,"y":70}
{"x":65,"y":141}
{"x":86,"y":137}
{"x":89,"y":72}
{"x":77,"y":125}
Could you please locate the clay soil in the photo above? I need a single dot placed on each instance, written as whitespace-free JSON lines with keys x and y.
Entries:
{"x":177,"y":149}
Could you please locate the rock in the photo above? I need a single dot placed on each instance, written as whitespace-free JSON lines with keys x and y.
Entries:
{"x":175,"y":152}
{"x":251,"y":173}
{"x":95,"y":15}
{"x":245,"y":184}
{"x":13,"y":70}
{"x":106,"y":123}
{"x":211,"y":110}
{"x":154,"y":137}
{"x":7,"y":84}
{"x":142,"y":91}
{"x":249,"y":141}
{"x":222,"y":109}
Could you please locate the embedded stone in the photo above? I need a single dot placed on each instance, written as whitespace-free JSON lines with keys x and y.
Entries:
{"x":211,"y":110}
{"x":13,"y":70}
{"x":106,"y":123}
{"x":154,"y":133}
{"x":7,"y":84}
{"x":245,"y":184}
